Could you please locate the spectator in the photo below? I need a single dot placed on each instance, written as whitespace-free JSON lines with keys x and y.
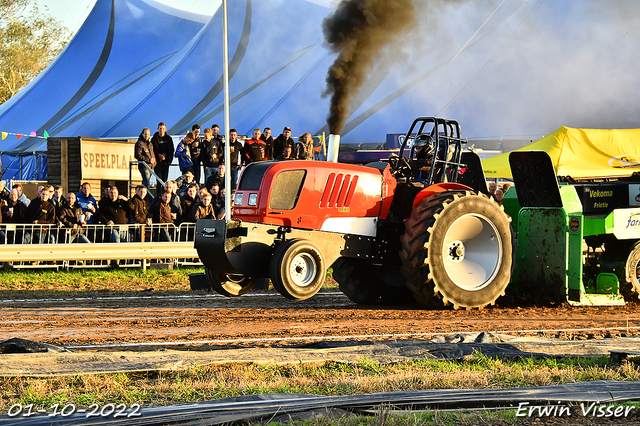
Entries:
{"x":498,"y":196}
{"x":211,"y":151}
{"x":114,"y":210}
{"x":183,"y":183}
{"x":163,"y":148}
{"x":283,"y":140}
{"x":492,"y":189}
{"x":235,"y":149}
{"x":140,"y":214}
{"x":183,"y":154}
{"x":189,"y":201}
{"x":87,"y":202}
{"x":506,"y":186}
{"x":196,"y":151}
{"x":161,"y":214}
{"x":58,"y":197}
{"x":254,"y":149}
{"x":268,"y":140}
{"x":4,"y":192}
{"x":216,"y":199}
{"x":140,"y":206}
{"x":15,"y":211}
{"x":143,"y":151}
{"x":221,"y":213}
{"x":304,"y":147}
{"x":70,"y":216}
{"x":286,"y":154}
{"x":176,"y":208}
{"x":41,"y":212}
{"x":218,"y":177}
{"x":205,"y":210}
{"x":23,"y":198}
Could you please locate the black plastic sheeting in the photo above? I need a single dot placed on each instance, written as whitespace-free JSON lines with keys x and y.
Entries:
{"x":269,"y":407}
{"x":22,"y":346}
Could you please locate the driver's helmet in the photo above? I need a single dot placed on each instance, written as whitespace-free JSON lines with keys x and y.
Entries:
{"x":423,"y":145}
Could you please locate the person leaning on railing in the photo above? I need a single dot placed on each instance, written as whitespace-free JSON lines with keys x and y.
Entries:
{"x":189,"y":201}
{"x":163,"y":217}
{"x":41,"y":212}
{"x":140,"y":214}
{"x":114,"y":211}
{"x":70,"y":216}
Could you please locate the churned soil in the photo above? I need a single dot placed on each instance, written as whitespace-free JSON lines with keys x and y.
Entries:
{"x":266,"y":318}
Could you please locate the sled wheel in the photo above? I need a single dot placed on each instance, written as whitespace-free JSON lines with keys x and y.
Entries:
{"x":458,"y":247}
{"x":365,"y":284}
{"x":229,"y":284}
{"x":297,"y":269}
{"x":631,"y":288}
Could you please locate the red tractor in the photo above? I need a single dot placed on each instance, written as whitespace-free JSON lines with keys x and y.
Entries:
{"x":419,"y":225}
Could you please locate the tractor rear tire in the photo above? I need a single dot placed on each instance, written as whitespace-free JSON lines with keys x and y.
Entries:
{"x":229,"y":285}
{"x":297,"y":269}
{"x":362,"y":283}
{"x":631,"y":288}
{"x":458,"y":249}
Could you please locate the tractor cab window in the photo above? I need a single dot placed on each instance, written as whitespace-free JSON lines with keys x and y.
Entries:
{"x":252,"y":176}
{"x":286,"y":189}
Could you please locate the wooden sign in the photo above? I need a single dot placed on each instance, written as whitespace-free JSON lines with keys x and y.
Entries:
{"x":106,"y":160}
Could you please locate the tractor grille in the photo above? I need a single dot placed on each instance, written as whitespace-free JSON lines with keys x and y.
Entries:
{"x":339,"y":190}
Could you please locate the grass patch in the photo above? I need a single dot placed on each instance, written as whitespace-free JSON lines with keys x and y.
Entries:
{"x":94,"y":282}
{"x":366,"y":376}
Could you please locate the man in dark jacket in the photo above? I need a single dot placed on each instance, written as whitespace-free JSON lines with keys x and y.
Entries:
{"x":268,"y":140}
{"x":71,"y":217}
{"x":114,"y":211}
{"x":235,"y":148}
{"x":283,"y":140}
{"x":143,"y":151}
{"x":163,"y":149}
{"x":41,"y":212}
{"x":140,"y":214}
{"x":254,"y":149}
{"x":162,"y":215}
{"x":211,"y":151}
{"x":15,"y":211}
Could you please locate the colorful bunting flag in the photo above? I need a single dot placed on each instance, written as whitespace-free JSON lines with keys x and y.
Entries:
{"x":33,"y":133}
{"x":46,"y":135}
{"x":19,"y":135}
{"x":4,"y":135}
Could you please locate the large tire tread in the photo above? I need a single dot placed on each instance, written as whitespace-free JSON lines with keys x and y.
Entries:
{"x":418,"y":237}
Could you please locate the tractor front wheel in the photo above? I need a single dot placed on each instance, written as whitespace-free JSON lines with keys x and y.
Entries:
{"x":297,"y":269}
{"x":229,"y":285}
{"x":457,"y":247}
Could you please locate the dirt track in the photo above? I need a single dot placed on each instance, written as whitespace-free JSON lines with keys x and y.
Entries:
{"x":270,"y":319}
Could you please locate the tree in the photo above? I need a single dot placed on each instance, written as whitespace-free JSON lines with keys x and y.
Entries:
{"x":29,"y":41}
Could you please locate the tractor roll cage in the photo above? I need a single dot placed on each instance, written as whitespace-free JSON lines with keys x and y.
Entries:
{"x":444,"y":134}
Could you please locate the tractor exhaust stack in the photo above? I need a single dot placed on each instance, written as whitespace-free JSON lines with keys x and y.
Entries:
{"x":333,"y":148}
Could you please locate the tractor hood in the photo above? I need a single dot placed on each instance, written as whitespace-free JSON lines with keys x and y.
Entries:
{"x":580,"y":153}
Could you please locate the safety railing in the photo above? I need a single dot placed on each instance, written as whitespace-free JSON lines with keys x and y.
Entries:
{"x":97,"y":246}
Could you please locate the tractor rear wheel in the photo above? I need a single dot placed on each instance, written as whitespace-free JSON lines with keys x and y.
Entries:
{"x":297,"y":269}
{"x":229,"y":285}
{"x":632,"y":271}
{"x":457,"y":248}
{"x":365,"y":284}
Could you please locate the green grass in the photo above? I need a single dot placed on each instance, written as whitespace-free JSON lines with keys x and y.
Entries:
{"x":366,"y":376}
{"x":91,"y":282}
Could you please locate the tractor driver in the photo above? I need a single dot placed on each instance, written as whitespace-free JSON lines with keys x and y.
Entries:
{"x":422,"y":158}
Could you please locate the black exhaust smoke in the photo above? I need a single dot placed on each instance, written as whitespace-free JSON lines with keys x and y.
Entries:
{"x":357,"y":31}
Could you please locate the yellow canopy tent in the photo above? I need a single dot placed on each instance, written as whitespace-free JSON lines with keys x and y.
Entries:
{"x":580,"y":153}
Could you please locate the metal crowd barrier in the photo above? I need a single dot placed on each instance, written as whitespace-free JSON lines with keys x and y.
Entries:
{"x":97,"y":246}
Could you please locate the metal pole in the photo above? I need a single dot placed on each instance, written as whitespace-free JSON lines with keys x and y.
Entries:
{"x":227,"y":152}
